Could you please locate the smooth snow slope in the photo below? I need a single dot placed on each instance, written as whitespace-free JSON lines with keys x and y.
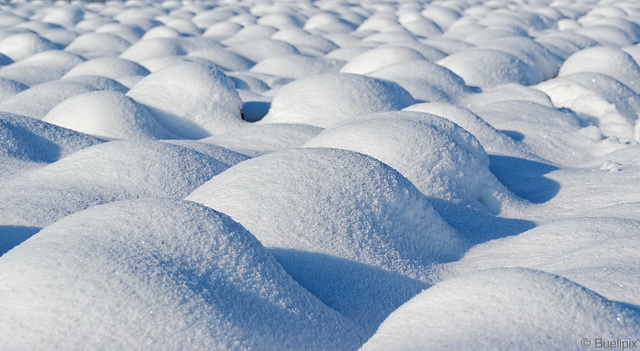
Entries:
{"x":429,"y":174}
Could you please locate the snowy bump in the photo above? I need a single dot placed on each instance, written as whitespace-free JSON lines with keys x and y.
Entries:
{"x":162,"y":273}
{"x":107,"y":114}
{"x":361,"y":218}
{"x":190,"y":100}
{"x":22,"y":45}
{"x":560,"y":316}
{"x":441,"y":159}
{"x":328,"y":99}
{"x":104,"y":173}
{"x":606,"y":60}
{"x":489,"y":68}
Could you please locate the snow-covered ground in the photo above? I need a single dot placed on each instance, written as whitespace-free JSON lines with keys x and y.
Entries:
{"x":328,"y":174}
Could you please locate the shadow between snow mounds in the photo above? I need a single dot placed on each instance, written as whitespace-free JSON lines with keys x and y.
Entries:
{"x":253,"y":111}
{"x":13,"y":235}
{"x":475,"y":226}
{"x":361,"y":292}
{"x":525,"y":178}
{"x":517,"y":136}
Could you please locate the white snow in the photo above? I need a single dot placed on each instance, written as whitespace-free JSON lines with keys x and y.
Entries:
{"x":260,"y":139}
{"x":357,"y":216}
{"x":314,"y":202}
{"x":160,"y":274}
{"x":327,"y":99}
{"x":41,"y":67}
{"x":109,"y":67}
{"x":22,"y":45}
{"x":441,"y":159}
{"x":39,"y":99}
{"x":517,"y":309}
{"x":110,"y":171}
{"x":190,"y":100}
{"x":108,"y":114}
{"x":429,"y":174}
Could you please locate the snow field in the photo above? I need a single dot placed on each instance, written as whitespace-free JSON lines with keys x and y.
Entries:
{"x":318,"y":175}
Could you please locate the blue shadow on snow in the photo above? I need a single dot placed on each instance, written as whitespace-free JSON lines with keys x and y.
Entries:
{"x":525,"y":178}
{"x":13,"y":235}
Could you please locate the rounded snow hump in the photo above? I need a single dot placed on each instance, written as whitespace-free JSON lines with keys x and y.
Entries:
{"x":107,"y":172}
{"x":440,"y":158}
{"x":190,"y":100}
{"x":336,"y":202}
{"x":166,"y":274}
{"x":364,"y":233}
{"x":328,"y":99}
{"x":528,"y":310}
{"x":108,"y":114}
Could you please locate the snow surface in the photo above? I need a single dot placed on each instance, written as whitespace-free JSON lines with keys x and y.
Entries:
{"x":158,"y":274}
{"x":273,"y":174}
{"x":519,"y":309}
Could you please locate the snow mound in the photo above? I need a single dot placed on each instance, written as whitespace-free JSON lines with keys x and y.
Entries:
{"x":441,"y":159}
{"x":565,"y":43}
{"x":375,"y":59}
{"x":550,"y":133}
{"x":41,"y":67}
{"x":349,"y":228}
{"x":424,"y":80}
{"x":108,"y":114}
{"x":443,"y":16}
{"x":327,"y":22}
{"x":250,"y":33}
{"x":606,"y":60}
{"x":9,"y":88}
{"x":22,"y":45}
{"x":294,"y":66}
{"x":307,"y":44}
{"x":98,"y":44}
{"x":328,"y":99}
{"x":488,"y":68}
{"x":130,"y":32}
{"x":606,"y":35}
{"x":492,"y":140}
{"x":38,"y":100}
{"x":225,"y":59}
{"x":157,"y":63}
{"x":104,"y":173}
{"x":66,"y":16}
{"x":257,"y":139}
{"x":26,"y":142}
{"x":11,"y":19}
{"x":224,"y":155}
{"x":422,"y":27}
{"x":504,"y":93}
{"x":530,"y":52}
{"x":30,"y":139}
{"x":161,"y":47}
{"x":190,"y":100}
{"x":281,"y":21}
{"x":260,"y":49}
{"x":516,"y":114}
{"x":166,"y":274}
{"x":221,"y":30}
{"x":598,"y":98}
{"x":363,"y":216}
{"x":615,"y":274}
{"x":109,"y":67}
{"x":528,"y":310}
{"x":161,"y":31}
